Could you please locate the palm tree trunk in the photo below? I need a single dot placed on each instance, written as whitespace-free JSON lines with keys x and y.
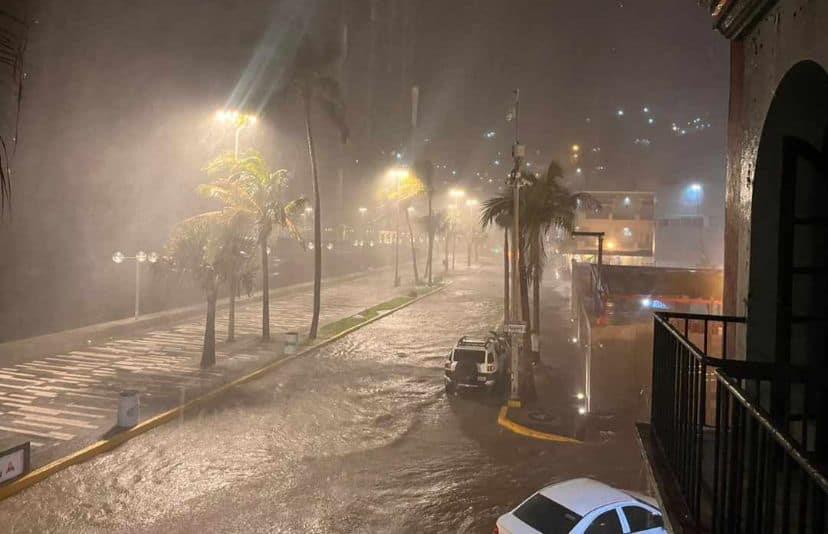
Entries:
{"x":536,"y":305}
{"x":524,"y":295}
{"x":506,"y":314}
{"x":430,"y":236}
{"x":231,"y":317}
{"x":317,"y":221}
{"x":397,"y":246}
{"x":208,"y":352}
{"x":265,"y":292}
{"x":536,"y":281}
{"x":413,"y":248}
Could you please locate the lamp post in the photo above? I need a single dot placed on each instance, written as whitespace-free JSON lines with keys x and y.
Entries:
{"x":516,"y":327}
{"x":241,"y":120}
{"x":139,"y":258}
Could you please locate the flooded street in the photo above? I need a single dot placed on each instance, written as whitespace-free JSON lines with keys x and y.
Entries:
{"x":358,"y":437}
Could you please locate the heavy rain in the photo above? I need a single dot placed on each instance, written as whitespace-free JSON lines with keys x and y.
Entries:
{"x":413,"y":265}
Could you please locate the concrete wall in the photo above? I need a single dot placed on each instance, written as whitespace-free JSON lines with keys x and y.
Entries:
{"x":790,"y":32}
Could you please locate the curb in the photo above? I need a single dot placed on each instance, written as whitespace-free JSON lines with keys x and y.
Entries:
{"x":504,"y":421}
{"x":107,"y":445}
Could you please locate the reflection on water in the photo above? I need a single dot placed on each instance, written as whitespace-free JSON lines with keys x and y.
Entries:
{"x":358,"y":437}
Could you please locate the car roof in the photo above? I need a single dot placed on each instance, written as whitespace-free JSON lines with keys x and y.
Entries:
{"x":583,"y":495}
{"x":472,"y":342}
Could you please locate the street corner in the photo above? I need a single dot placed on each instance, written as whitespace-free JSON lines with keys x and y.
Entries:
{"x":538,"y":423}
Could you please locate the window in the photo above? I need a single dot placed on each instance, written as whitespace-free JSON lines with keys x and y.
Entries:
{"x":547,"y":516}
{"x":470,"y":355}
{"x":641,"y":519}
{"x":606,"y":523}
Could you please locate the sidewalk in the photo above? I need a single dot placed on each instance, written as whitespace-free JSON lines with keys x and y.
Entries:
{"x":553,"y":410}
{"x":64,"y":401}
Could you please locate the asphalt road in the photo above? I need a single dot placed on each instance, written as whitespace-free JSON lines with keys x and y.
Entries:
{"x":358,"y":437}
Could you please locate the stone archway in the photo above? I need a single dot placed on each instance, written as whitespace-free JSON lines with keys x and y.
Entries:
{"x":788,"y":284}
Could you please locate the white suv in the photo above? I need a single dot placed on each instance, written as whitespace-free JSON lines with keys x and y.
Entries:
{"x":477,"y":363}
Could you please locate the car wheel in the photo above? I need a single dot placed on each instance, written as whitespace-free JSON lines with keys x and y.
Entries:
{"x":451,"y":388}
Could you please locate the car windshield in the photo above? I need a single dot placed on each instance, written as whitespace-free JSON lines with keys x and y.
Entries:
{"x":470,"y":355}
{"x":546,"y":516}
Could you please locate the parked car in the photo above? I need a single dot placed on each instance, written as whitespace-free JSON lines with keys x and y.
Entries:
{"x":583,"y":506}
{"x":476,"y":363}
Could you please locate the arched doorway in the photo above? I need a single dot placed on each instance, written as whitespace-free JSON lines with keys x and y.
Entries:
{"x":788,"y":286}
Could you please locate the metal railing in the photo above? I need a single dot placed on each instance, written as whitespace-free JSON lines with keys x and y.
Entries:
{"x":763,"y":481}
{"x":690,"y":384}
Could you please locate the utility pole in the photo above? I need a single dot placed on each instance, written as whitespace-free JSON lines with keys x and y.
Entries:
{"x":516,"y":327}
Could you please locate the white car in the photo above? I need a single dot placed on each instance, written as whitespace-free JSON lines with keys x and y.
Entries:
{"x":583,"y":506}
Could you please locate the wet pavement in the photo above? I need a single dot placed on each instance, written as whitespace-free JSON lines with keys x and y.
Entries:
{"x":358,"y":437}
{"x":64,"y":401}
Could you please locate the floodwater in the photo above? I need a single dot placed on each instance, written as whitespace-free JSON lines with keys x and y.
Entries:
{"x":358,"y":437}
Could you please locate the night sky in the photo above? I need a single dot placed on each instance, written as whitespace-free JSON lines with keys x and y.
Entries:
{"x":117,"y":114}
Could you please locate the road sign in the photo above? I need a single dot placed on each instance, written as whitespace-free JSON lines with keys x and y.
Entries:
{"x":14,"y":462}
{"x":515,"y":328}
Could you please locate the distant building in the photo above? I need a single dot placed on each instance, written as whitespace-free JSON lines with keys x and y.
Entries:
{"x":627,"y":219}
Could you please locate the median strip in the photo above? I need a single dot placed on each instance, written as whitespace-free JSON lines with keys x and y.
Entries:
{"x":332,"y":332}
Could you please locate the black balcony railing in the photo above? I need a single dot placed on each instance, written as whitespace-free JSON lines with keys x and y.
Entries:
{"x":723,"y":426}
{"x":762,"y":480}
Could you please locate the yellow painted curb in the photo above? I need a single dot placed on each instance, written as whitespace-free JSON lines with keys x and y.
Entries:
{"x":504,"y":421}
{"x":102,"y":446}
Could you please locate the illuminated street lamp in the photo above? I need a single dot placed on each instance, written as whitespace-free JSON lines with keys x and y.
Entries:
{"x":240,"y":120}
{"x":139,"y":258}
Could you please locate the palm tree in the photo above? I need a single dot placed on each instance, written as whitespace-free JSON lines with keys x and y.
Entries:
{"x":544,"y":204}
{"x":404,"y":189}
{"x":195,"y":248}
{"x":15,"y":21}
{"x":237,"y":267}
{"x":251,"y":192}
{"x":424,"y":170}
{"x":312,"y":79}
{"x":503,"y":221}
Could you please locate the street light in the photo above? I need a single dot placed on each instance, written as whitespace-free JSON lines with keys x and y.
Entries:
{"x":139,"y":258}
{"x":241,"y":120}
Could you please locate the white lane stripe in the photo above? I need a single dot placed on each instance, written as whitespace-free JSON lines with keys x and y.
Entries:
{"x":62,"y":421}
{"x":52,"y":435}
{"x":49,"y":411}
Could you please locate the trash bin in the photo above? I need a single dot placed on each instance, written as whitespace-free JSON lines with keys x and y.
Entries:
{"x":129,"y":409}
{"x":291,"y":342}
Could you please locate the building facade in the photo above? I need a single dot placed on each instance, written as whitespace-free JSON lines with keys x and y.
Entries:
{"x":775,"y":235}
{"x":627,"y":219}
